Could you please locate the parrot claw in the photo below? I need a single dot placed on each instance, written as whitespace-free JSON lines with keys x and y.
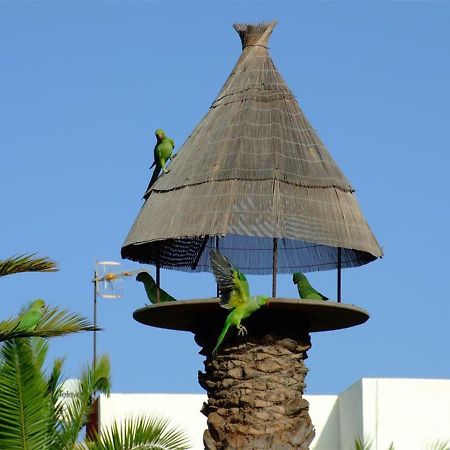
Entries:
{"x":242,"y":331}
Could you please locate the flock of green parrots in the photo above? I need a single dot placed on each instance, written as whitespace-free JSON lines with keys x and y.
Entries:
{"x":233,"y":285}
{"x":234,"y":293}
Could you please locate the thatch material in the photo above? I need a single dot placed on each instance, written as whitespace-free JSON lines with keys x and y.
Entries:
{"x":252,"y":170}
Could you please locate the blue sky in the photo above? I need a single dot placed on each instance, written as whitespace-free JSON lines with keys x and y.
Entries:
{"x":83,"y":86}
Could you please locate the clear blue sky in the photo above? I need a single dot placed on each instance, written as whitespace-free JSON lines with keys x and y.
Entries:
{"x":83,"y":86}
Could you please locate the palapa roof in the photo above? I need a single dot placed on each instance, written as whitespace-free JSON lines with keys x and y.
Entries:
{"x":252,"y":170}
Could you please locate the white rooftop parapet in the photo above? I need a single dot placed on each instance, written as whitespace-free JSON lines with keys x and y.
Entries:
{"x":411,"y":413}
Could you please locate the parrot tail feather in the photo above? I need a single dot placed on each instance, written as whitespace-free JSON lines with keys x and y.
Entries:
{"x":222,"y":336}
{"x":153,"y":179}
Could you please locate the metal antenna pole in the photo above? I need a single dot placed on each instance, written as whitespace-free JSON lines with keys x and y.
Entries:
{"x":274,"y":267}
{"x":94,"y":359}
{"x":339,"y":274}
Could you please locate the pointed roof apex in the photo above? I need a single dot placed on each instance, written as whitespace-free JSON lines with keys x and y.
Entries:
{"x":255,"y":34}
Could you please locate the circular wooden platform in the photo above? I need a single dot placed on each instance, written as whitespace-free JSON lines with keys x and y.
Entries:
{"x":199,"y":314}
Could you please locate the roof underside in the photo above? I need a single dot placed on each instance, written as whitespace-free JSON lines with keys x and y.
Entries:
{"x":253,"y":169}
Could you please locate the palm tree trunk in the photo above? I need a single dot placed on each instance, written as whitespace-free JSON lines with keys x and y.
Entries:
{"x":255,"y":392}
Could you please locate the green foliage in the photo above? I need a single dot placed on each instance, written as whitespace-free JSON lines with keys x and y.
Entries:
{"x":143,"y":433}
{"x":76,"y":414}
{"x":439,"y":445}
{"x":24,"y":399}
{"x":54,"y":322}
{"x":26,"y":263}
{"x":364,"y":443}
{"x":32,"y":415}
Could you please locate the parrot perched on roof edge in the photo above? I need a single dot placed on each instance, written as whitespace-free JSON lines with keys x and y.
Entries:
{"x":150,"y":288}
{"x":29,"y":319}
{"x":161,"y":154}
{"x":234,"y":295}
{"x":305,"y":290}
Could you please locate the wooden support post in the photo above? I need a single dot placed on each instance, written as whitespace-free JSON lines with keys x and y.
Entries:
{"x":158,"y":279}
{"x":217,"y":249}
{"x":274,"y":267}
{"x":339,"y":270}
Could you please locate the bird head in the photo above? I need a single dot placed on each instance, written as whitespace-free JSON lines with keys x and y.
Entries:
{"x":297,"y":277}
{"x":262,"y":300}
{"x":160,"y":135}
{"x":38,"y":304}
{"x":140,"y":276}
{"x":144,"y":277}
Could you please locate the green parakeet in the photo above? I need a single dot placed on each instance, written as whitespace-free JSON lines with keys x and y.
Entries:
{"x":234,"y":294}
{"x":30,"y":318}
{"x":162,"y":153}
{"x":150,"y":288}
{"x":305,"y":290}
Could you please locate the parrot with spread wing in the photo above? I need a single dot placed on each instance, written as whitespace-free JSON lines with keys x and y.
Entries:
{"x":305,"y":290}
{"x":150,"y":288}
{"x":162,"y":153}
{"x":29,"y":319}
{"x":234,"y":294}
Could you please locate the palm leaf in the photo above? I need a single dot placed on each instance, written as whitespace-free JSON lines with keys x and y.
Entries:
{"x":54,"y":322}
{"x":24,"y":400}
{"x":364,"y":443}
{"x":141,"y":433}
{"x":439,"y":445}
{"x":26,"y":263}
{"x":76,"y":414}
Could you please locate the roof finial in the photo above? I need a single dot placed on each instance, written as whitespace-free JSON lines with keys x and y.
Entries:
{"x":255,"y":34}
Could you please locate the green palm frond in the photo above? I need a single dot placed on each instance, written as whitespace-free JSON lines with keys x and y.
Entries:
{"x":55,"y":379}
{"x":439,"y":445}
{"x":364,"y":443}
{"x":76,"y":414}
{"x":54,"y":322}
{"x":141,"y":433}
{"x":26,"y":263}
{"x":24,"y":400}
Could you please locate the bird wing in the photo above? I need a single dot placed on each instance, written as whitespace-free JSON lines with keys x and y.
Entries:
{"x":29,"y":320}
{"x":233,"y":286}
{"x":172,"y":142}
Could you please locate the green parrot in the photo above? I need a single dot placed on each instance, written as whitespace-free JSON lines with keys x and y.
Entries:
{"x":150,"y":288}
{"x":29,"y":319}
{"x":162,"y":153}
{"x":234,"y":295}
{"x":305,"y":290}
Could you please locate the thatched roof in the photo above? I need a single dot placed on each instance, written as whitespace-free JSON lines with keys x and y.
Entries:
{"x":252,"y":170}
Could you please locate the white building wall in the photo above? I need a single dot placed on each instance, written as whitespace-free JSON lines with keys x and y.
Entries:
{"x":411,"y":413}
{"x":183,"y":410}
{"x":324,"y":413}
{"x":350,"y":416}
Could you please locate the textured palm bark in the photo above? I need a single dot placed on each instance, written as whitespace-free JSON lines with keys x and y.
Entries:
{"x":255,"y":392}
